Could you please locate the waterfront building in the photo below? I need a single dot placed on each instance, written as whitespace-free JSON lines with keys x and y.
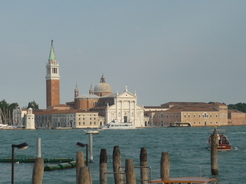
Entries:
{"x":190,"y":113}
{"x":236,"y":117}
{"x":56,"y":118}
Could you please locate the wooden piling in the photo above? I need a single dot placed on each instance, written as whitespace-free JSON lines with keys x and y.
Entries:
{"x":85,"y":175}
{"x":38,"y":171}
{"x":79,"y":163}
{"x":129,"y":171}
{"x":116,"y":165}
{"x":103,"y":166}
{"x":214,"y":154}
{"x":143,"y":166}
{"x":165,"y":166}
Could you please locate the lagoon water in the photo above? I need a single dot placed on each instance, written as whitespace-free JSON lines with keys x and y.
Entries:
{"x":187,"y":150}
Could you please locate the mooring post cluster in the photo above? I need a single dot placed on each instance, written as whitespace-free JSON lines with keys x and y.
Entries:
{"x":83,"y":175}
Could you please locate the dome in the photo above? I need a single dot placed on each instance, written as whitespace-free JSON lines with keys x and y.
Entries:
{"x":102,"y":87}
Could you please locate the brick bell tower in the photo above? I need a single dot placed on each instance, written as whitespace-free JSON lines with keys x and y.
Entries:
{"x":52,"y":79}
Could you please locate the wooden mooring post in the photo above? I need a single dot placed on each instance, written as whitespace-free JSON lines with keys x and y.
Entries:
{"x":103,"y":167}
{"x":143,"y":166}
{"x":116,"y":165}
{"x":79,"y":163}
{"x":85,"y":175}
{"x":165,"y":166}
{"x":214,"y":154}
{"x":129,"y":171}
{"x":38,"y":171}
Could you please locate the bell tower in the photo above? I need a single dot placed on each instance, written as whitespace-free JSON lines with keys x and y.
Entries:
{"x":52,"y":79}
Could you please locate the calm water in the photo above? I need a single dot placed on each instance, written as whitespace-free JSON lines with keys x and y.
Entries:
{"x":186,"y":148}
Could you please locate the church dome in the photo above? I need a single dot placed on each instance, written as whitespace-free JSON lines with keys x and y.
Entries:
{"x":102,"y":87}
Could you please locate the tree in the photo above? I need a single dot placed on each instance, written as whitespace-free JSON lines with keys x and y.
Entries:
{"x":33,"y":105}
{"x":239,"y":106}
{"x":6,"y":110}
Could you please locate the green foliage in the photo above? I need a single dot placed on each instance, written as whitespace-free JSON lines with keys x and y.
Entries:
{"x":33,"y":105}
{"x":6,"y":110}
{"x":239,"y":106}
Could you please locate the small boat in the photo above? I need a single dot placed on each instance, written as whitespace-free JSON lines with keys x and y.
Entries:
{"x":186,"y":180}
{"x":92,"y":131}
{"x":180,"y":124}
{"x":6,"y":126}
{"x":119,"y":125}
{"x":223,"y":143}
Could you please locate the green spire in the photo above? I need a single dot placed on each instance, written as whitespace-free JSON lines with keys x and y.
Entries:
{"x":52,"y":52}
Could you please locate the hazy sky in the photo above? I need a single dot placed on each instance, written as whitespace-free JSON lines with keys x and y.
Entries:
{"x":164,"y":50}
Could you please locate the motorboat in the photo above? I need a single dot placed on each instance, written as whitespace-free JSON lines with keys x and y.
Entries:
{"x":223,"y":143}
{"x":92,"y":131}
{"x":180,"y":124}
{"x":185,"y":180}
{"x":6,"y":126}
{"x":119,"y":125}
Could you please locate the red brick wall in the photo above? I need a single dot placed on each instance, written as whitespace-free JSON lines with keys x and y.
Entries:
{"x":52,"y":92}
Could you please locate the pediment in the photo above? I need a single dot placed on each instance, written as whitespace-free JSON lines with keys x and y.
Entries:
{"x":126,"y":94}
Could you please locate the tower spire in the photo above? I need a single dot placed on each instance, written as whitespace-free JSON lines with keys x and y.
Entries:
{"x":52,"y":56}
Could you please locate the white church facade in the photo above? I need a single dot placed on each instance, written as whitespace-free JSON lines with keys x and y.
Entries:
{"x":125,"y":109}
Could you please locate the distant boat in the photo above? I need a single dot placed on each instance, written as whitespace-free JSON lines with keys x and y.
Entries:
{"x":92,"y":131}
{"x":223,"y":143}
{"x":180,"y":124}
{"x":5,"y":126}
{"x":119,"y":125}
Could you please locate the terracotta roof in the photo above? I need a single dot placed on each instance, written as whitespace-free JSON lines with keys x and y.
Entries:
{"x":98,"y":107}
{"x":234,"y":111}
{"x":154,"y":107}
{"x":60,"y":105}
{"x":56,"y":111}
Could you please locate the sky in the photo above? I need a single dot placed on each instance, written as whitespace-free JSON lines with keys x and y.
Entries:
{"x":164,"y":50}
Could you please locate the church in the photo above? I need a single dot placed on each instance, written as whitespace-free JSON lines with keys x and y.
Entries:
{"x":97,"y":108}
